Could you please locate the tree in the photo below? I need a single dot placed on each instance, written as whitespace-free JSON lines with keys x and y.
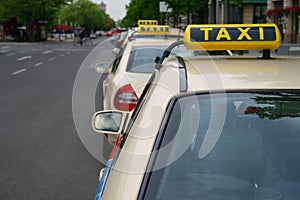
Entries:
{"x":145,"y":9}
{"x":23,"y":10}
{"x":187,"y":7}
{"x":85,"y":13}
{"x":29,"y":12}
{"x":141,"y":9}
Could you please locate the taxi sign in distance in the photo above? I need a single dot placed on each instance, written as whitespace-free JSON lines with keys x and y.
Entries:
{"x":156,"y":30}
{"x":147,"y":22}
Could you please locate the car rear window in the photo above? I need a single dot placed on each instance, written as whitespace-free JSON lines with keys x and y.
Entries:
{"x":233,"y":146}
{"x":142,"y":58}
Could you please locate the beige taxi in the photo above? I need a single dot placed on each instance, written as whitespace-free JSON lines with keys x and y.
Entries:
{"x":210,"y":127}
{"x":133,"y":66}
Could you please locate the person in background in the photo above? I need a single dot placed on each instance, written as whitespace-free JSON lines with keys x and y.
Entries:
{"x":82,"y":34}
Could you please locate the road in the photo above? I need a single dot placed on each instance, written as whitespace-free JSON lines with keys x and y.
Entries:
{"x":42,"y":154}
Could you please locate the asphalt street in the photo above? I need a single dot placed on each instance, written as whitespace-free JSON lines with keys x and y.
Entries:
{"x":42,"y":154}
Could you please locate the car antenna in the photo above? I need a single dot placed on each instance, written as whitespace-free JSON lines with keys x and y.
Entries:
{"x":166,"y":53}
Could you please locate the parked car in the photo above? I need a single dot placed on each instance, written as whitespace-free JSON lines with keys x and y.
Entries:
{"x":93,"y":35}
{"x":100,"y":33}
{"x":134,"y":64}
{"x":211,"y":127}
{"x":113,"y":31}
{"x":130,"y":71}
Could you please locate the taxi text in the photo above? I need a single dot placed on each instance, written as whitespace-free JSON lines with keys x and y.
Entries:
{"x":154,"y":29}
{"x":212,"y":34}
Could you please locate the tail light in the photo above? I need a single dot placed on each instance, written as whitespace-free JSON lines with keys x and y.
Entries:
{"x":126,"y":98}
{"x":120,"y":42}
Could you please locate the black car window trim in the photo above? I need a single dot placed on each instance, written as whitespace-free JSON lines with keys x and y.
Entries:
{"x":161,"y":134}
{"x":134,"y":115}
{"x":138,"y":107}
{"x":157,"y":145}
{"x":116,"y":62}
{"x":183,"y":84}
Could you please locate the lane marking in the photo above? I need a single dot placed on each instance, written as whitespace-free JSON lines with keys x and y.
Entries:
{"x":5,"y":47}
{"x":47,"y":52}
{"x":61,"y":55}
{"x":19,"y":71}
{"x":24,"y":58}
{"x":38,"y":64}
{"x":4,"y":51}
{"x":68,"y":52}
{"x":10,"y":54}
{"x":51,"y":59}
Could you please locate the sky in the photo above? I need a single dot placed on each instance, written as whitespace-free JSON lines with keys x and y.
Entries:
{"x":115,"y":8}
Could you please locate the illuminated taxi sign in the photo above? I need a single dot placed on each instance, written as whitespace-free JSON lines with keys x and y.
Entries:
{"x":232,"y":36}
{"x":147,"y":22}
{"x":156,"y":30}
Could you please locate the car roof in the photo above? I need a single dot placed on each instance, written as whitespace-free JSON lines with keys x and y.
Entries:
{"x":174,"y":32}
{"x":236,"y":72}
{"x":153,"y":41}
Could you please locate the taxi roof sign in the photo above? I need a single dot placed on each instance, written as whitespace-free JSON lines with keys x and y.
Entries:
{"x":147,"y":22}
{"x":155,"y":30}
{"x":232,"y":37}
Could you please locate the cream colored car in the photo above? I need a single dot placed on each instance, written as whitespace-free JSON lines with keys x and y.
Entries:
{"x":211,"y":127}
{"x":133,"y":66}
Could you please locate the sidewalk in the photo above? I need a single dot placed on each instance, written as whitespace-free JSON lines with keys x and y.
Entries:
{"x":289,"y":49}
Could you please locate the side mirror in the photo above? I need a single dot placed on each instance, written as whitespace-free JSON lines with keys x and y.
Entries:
{"x":116,"y":50}
{"x":109,"y":122}
{"x":102,"y":67}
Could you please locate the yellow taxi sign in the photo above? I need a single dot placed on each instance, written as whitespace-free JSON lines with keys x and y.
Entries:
{"x":147,"y":22}
{"x":155,"y":30}
{"x":232,"y":37}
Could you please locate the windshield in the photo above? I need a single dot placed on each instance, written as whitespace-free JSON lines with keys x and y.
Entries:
{"x":255,"y":155}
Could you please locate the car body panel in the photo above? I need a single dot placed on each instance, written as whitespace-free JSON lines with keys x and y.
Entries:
{"x":127,"y":173}
{"x":246,"y":73}
{"x":121,"y":77}
{"x":207,"y":76}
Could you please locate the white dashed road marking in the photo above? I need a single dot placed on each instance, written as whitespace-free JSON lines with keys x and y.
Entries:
{"x":38,"y":64}
{"x":61,"y":55}
{"x":19,"y":71}
{"x":47,"y":52}
{"x":24,"y":58}
{"x":51,"y":59}
{"x":10,"y":54}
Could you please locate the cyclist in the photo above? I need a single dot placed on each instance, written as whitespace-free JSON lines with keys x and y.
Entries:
{"x":82,"y":34}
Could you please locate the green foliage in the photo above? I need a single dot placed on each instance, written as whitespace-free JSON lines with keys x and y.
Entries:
{"x":186,"y":7}
{"x":80,"y":12}
{"x":84,"y":13}
{"x":236,"y":3}
{"x":141,"y":9}
{"x":145,"y":9}
{"x":23,"y":9}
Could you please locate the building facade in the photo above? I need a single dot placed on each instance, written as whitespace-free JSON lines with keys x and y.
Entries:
{"x":286,"y":14}
{"x":103,"y":6}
